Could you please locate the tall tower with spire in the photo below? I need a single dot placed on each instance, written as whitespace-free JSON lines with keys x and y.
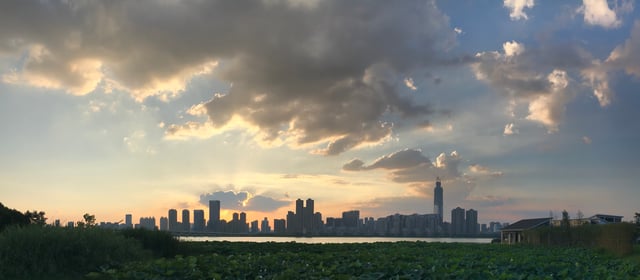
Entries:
{"x":437,"y":200}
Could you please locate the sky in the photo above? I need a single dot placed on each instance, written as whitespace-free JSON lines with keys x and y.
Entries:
{"x":520,"y":107}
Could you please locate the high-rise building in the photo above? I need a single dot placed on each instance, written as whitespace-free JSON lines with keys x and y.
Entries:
{"x":307,"y":219}
{"x":264,"y":226}
{"x":164,"y":223}
{"x":279,"y":226}
{"x":128,"y":221}
{"x":458,"y":221}
{"x":351,"y":219}
{"x":291,"y":222}
{"x":198,"y":220}
{"x":472,"y":221}
{"x":214,"y":215}
{"x":438,"y":206}
{"x":244,"y":227}
{"x":173,"y":220}
{"x":254,"y":227}
{"x":299,"y":221}
{"x":148,"y":223}
{"x":186,"y":220}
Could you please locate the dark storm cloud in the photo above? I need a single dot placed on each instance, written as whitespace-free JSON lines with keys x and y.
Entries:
{"x":320,"y":72}
{"x":410,"y":165}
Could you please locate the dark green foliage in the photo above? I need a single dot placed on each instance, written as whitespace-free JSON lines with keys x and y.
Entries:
{"x":614,"y":238}
{"x":403,"y":260}
{"x":11,"y":217}
{"x":161,"y":243}
{"x":34,"y":252}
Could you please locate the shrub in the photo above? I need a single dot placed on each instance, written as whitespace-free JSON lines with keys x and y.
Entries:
{"x":161,"y":243}
{"x":614,"y":238}
{"x":57,"y":253}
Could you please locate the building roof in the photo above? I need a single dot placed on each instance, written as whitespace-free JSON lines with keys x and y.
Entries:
{"x":605,"y":215}
{"x":526,"y":224}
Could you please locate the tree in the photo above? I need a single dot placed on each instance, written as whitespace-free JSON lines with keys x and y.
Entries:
{"x":11,"y":217}
{"x":89,"y":220}
{"x":36,"y":218}
{"x":565,"y":219}
{"x":637,"y":216}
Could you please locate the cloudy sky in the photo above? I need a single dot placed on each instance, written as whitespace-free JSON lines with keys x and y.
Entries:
{"x":521,"y":107}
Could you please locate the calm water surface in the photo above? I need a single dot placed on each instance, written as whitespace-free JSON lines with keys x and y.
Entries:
{"x":332,"y":239}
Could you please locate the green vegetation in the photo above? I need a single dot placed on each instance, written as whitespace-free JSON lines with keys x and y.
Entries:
{"x":613,"y":238}
{"x":403,"y":260}
{"x":34,"y":252}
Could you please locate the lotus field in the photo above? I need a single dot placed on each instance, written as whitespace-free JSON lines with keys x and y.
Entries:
{"x":401,"y":260}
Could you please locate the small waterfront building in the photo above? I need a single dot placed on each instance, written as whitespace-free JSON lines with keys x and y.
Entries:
{"x":514,"y":233}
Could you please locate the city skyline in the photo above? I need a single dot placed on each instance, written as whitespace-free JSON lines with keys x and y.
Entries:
{"x":518,"y":107}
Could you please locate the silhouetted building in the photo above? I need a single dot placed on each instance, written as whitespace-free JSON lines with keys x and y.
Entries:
{"x":351,"y":221}
{"x":186,"y":220}
{"x":307,"y":220}
{"x":279,"y":226}
{"x":214,"y":215}
{"x":317,"y":222}
{"x":471,"y":219}
{"x":264,"y":227}
{"x":253,"y":228}
{"x":291,"y":222}
{"x":198,"y":220}
{"x":164,"y":223}
{"x":128,"y":221}
{"x":438,"y":202}
{"x":458,"y":221}
{"x":173,"y":220}
{"x":148,"y":223}
{"x":298,"y":224}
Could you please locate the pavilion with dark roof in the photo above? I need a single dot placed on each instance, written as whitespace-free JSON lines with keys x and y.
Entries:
{"x":514,"y":233}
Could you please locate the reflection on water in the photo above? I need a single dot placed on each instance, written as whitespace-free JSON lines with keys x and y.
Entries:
{"x":332,"y":239}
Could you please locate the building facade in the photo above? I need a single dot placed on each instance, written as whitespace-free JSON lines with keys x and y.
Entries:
{"x":214,"y":215}
{"x":458,"y":223}
{"x":438,"y":201}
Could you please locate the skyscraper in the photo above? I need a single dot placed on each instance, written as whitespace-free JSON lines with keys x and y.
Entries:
{"x":308,"y":217}
{"x":214,"y":215}
{"x":198,"y":220}
{"x":128,"y":220}
{"x":173,"y":220}
{"x":299,"y":220}
{"x":164,"y":223}
{"x":472,"y":221}
{"x":438,"y":206}
{"x":457,"y":221}
{"x":186,"y":220}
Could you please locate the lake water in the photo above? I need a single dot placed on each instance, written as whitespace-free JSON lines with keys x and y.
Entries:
{"x":320,"y":240}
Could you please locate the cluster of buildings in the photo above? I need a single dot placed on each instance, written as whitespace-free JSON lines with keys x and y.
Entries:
{"x":304,"y":221}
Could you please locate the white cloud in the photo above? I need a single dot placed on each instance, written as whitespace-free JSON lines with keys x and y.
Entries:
{"x":410,"y":84}
{"x":517,"y":8}
{"x":457,"y":30}
{"x":539,"y":79}
{"x":598,"y":79}
{"x":510,"y":129}
{"x":597,"y":12}
{"x":627,"y":56}
{"x":549,"y":109}
{"x":512,"y":48}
